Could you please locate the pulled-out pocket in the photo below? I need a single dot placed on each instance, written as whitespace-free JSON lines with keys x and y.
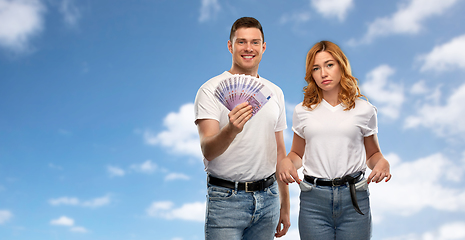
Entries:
{"x":305,"y":186}
{"x":361,"y":185}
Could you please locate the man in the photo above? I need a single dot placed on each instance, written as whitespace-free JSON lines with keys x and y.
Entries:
{"x":241,"y":152}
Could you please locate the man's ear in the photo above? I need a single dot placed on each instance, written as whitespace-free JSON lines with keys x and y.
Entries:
{"x":264,"y":47}
{"x":230,"y":46}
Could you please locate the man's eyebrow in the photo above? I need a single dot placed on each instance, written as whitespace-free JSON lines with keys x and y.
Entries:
{"x":253,"y":40}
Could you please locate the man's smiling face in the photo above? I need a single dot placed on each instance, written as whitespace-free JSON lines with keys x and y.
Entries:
{"x":247,"y":48}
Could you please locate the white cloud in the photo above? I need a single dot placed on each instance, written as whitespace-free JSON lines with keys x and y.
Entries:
{"x":189,"y":211}
{"x":407,"y":20}
{"x":445,"y":57}
{"x":64,"y":201}
{"x":292,"y":234}
{"x":73,"y":201}
{"x":78,"y":229}
{"x":419,"y":88}
{"x":181,"y":136}
{"x":333,"y":8}
{"x":444,"y":120}
{"x":68,"y":222}
{"x":427,"y":182}
{"x":387,"y":95}
{"x":20,"y":21}
{"x":447,"y":231}
{"x":208,"y":10}
{"x":115,"y":171}
{"x":5,"y":216}
{"x":71,"y":14}
{"x":432,"y":95}
{"x":53,"y":166}
{"x":145,"y":167}
{"x":176,"y":176}
{"x":97,"y":202}
{"x":63,"y":221}
{"x":298,"y":17}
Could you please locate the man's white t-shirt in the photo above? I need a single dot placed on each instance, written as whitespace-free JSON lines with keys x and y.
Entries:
{"x":334,"y":138}
{"x":253,"y":153}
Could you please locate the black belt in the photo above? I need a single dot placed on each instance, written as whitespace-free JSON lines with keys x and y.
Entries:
{"x":351,"y":179}
{"x":247,"y":186}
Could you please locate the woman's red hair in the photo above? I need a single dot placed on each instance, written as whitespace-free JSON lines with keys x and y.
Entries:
{"x":313,"y":95}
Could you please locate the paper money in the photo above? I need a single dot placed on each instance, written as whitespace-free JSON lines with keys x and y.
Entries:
{"x":237,"y":89}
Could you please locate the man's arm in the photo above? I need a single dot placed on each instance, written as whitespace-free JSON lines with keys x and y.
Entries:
{"x":284,"y":217}
{"x":213,"y":140}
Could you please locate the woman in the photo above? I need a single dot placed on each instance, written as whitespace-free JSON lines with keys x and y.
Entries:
{"x":334,"y":140}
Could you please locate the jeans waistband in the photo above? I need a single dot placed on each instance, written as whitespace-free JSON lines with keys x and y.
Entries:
{"x":259,"y":185}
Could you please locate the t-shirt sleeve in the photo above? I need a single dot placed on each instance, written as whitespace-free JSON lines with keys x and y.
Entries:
{"x":297,"y":125}
{"x":281,"y":124}
{"x":372,"y":124}
{"x":206,"y":105}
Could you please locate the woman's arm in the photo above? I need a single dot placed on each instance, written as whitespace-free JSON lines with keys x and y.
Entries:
{"x":286,"y":169}
{"x":376,"y":161}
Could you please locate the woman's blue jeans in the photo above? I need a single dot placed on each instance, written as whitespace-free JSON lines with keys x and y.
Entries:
{"x":236,"y":215}
{"x":327,"y":213}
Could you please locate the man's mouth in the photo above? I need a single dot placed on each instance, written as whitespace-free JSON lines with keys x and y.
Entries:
{"x":248,"y":56}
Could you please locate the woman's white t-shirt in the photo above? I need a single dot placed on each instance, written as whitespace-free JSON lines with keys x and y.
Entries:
{"x":334,"y":138}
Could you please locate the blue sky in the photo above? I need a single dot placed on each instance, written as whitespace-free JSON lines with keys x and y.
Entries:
{"x":97,"y":139}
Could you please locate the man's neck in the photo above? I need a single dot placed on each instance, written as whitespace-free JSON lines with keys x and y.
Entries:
{"x":253,"y":73}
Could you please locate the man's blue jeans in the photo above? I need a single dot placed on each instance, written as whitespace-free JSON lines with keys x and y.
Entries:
{"x":327,"y":213}
{"x":236,"y":215}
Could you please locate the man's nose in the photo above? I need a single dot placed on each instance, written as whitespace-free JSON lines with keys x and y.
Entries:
{"x":249,"y":47}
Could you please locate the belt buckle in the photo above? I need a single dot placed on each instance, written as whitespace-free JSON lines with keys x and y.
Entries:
{"x":247,"y":186}
{"x":334,"y":180}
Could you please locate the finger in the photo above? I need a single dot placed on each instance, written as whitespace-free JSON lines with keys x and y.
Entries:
{"x":285,"y":177}
{"x":278,"y":228}
{"x":295,"y":176}
{"x":376,"y":178}
{"x":370,"y":177}
{"x":388,"y":177}
{"x":242,"y":110}
{"x":282,"y":177}
{"x":278,"y":231}
{"x":283,"y":231}
{"x":245,"y":115}
{"x":239,"y":107}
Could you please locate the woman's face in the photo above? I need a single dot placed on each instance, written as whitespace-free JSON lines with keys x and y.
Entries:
{"x":326,"y":72}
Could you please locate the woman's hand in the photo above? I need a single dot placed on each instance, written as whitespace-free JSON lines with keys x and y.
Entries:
{"x":380,"y":171}
{"x":287,"y":172}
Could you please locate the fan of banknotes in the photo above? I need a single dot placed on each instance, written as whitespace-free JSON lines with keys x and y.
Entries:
{"x":237,"y":89}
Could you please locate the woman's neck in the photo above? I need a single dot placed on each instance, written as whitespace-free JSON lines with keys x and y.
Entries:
{"x":331,"y":98}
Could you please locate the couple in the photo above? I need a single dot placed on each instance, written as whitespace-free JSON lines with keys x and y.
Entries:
{"x":245,"y":158}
